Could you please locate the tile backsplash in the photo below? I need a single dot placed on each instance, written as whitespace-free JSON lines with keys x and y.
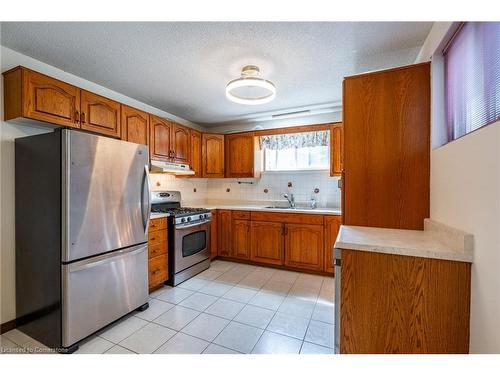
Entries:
{"x":270,"y":187}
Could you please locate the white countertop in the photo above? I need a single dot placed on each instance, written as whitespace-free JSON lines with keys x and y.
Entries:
{"x":157,"y":215}
{"x":436,"y":241}
{"x":243,"y":207}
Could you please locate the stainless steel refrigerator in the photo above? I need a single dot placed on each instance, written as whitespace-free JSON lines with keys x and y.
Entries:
{"x":82,"y":216}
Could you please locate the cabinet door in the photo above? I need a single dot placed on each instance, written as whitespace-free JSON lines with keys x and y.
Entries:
{"x":157,"y":270}
{"x":212,"y":155}
{"x":304,"y":246}
{"x":135,"y":125}
{"x":332,"y":225}
{"x":196,"y":153}
{"x":266,"y":242}
{"x":180,"y":142}
{"x":241,"y":238}
{"x":99,"y":114}
{"x":47,"y":99}
{"x":160,"y":146}
{"x":214,"y":234}
{"x":239,"y":154}
{"x":336,"y":149}
{"x":224,"y":224}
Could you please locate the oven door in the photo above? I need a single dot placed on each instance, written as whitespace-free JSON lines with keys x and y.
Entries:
{"x":191,"y":245}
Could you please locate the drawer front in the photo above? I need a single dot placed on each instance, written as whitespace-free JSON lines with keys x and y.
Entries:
{"x":241,"y":215}
{"x":157,"y":236}
{"x":99,"y":290}
{"x":157,"y":270}
{"x":287,"y":217}
{"x":156,"y":249}
{"x":157,"y":224}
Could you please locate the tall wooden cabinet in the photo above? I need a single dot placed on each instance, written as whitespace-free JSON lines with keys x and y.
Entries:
{"x":386,"y":117}
{"x":195,"y":148}
{"x":212,"y":155}
{"x":135,"y":125}
{"x":240,"y":155}
{"x":160,"y":147}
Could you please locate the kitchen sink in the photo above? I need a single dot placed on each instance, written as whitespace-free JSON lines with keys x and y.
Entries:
{"x":288,"y":208}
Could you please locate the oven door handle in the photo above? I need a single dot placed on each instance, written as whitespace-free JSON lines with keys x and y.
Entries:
{"x":186,"y":226}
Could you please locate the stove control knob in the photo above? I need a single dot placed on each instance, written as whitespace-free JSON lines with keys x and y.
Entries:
{"x":201,"y":217}
{"x":183,"y":220}
{"x":189,"y":219}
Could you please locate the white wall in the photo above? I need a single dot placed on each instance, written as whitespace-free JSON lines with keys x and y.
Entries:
{"x":465,"y":193}
{"x":11,"y":130}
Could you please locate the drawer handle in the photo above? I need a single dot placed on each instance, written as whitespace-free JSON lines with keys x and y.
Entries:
{"x":77,"y":117}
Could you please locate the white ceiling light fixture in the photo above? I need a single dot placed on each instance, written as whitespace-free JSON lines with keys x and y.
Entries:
{"x":250,"y":88}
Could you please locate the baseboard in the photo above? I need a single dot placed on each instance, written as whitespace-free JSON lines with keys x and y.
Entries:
{"x":7,"y":326}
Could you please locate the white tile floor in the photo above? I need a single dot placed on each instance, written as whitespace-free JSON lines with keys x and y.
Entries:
{"x":229,"y":309}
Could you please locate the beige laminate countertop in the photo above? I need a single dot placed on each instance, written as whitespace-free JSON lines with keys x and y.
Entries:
{"x":157,"y":215}
{"x":243,"y":207}
{"x":436,"y":241}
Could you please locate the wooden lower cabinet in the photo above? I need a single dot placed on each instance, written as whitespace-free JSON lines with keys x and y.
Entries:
{"x":267,"y":242}
{"x":304,"y":246}
{"x":214,"y":235}
{"x":240,"y":232}
{"x":332,"y":226}
{"x":157,"y":253}
{"x":401,"y":304}
{"x":224,"y":233}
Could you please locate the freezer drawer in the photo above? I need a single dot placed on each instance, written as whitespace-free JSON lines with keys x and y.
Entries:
{"x":99,"y":290}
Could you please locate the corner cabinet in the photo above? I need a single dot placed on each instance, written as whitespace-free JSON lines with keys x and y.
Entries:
{"x":38,"y":97}
{"x":212,"y":155}
{"x":135,"y":125}
{"x":240,"y":155}
{"x":195,"y":148}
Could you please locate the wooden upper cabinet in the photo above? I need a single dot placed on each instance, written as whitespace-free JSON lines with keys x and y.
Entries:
{"x":224,"y":236}
{"x":135,"y":125}
{"x":195,"y":148}
{"x":240,"y":233}
{"x":99,"y":114}
{"x":332,"y":226}
{"x":38,"y":97}
{"x":180,"y":141}
{"x":212,"y":155}
{"x":304,"y":246}
{"x":386,"y":118}
{"x":266,"y":242}
{"x":336,"y":149}
{"x":240,"y":155}
{"x":160,"y":146}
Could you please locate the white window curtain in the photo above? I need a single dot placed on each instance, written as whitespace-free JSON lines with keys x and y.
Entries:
{"x":295,"y":140}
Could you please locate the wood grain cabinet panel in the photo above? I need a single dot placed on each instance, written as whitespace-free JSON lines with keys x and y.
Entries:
{"x":135,"y":125}
{"x":38,"y":97}
{"x":240,"y":233}
{"x":195,"y":149}
{"x":400,"y":304}
{"x":214,"y":235}
{"x":332,"y":226}
{"x":212,"y":155}
{"x":336,"y":149}
{"x":160,"y":145}
{"x":240,"y":155}
{"x":157,"y":271}
{"x":181,"y":141}
{"x":304,"y":246}
{"x":224,"y":224}
{"x":386,"y":118}
{"x":99,"y":114}
{"x":267,"y":242}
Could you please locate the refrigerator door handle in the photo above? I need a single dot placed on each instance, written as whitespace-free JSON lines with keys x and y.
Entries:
{"x":146,"y":184}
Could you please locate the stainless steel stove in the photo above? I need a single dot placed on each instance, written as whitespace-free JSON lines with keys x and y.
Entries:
{"x":188,"y":234}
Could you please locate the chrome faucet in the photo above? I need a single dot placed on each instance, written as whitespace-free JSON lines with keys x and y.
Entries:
{"x":291,"y":200}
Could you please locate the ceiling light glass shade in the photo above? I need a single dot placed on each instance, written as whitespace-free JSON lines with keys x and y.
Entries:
{"x":250,"y":89}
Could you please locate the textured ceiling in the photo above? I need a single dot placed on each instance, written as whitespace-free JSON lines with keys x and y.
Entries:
{"x":182,"y":68}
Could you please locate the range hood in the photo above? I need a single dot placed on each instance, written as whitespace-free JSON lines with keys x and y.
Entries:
{"x":172,"y":168}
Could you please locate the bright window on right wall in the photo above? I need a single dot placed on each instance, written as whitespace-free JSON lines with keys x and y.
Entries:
{"x":472,"y":78}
